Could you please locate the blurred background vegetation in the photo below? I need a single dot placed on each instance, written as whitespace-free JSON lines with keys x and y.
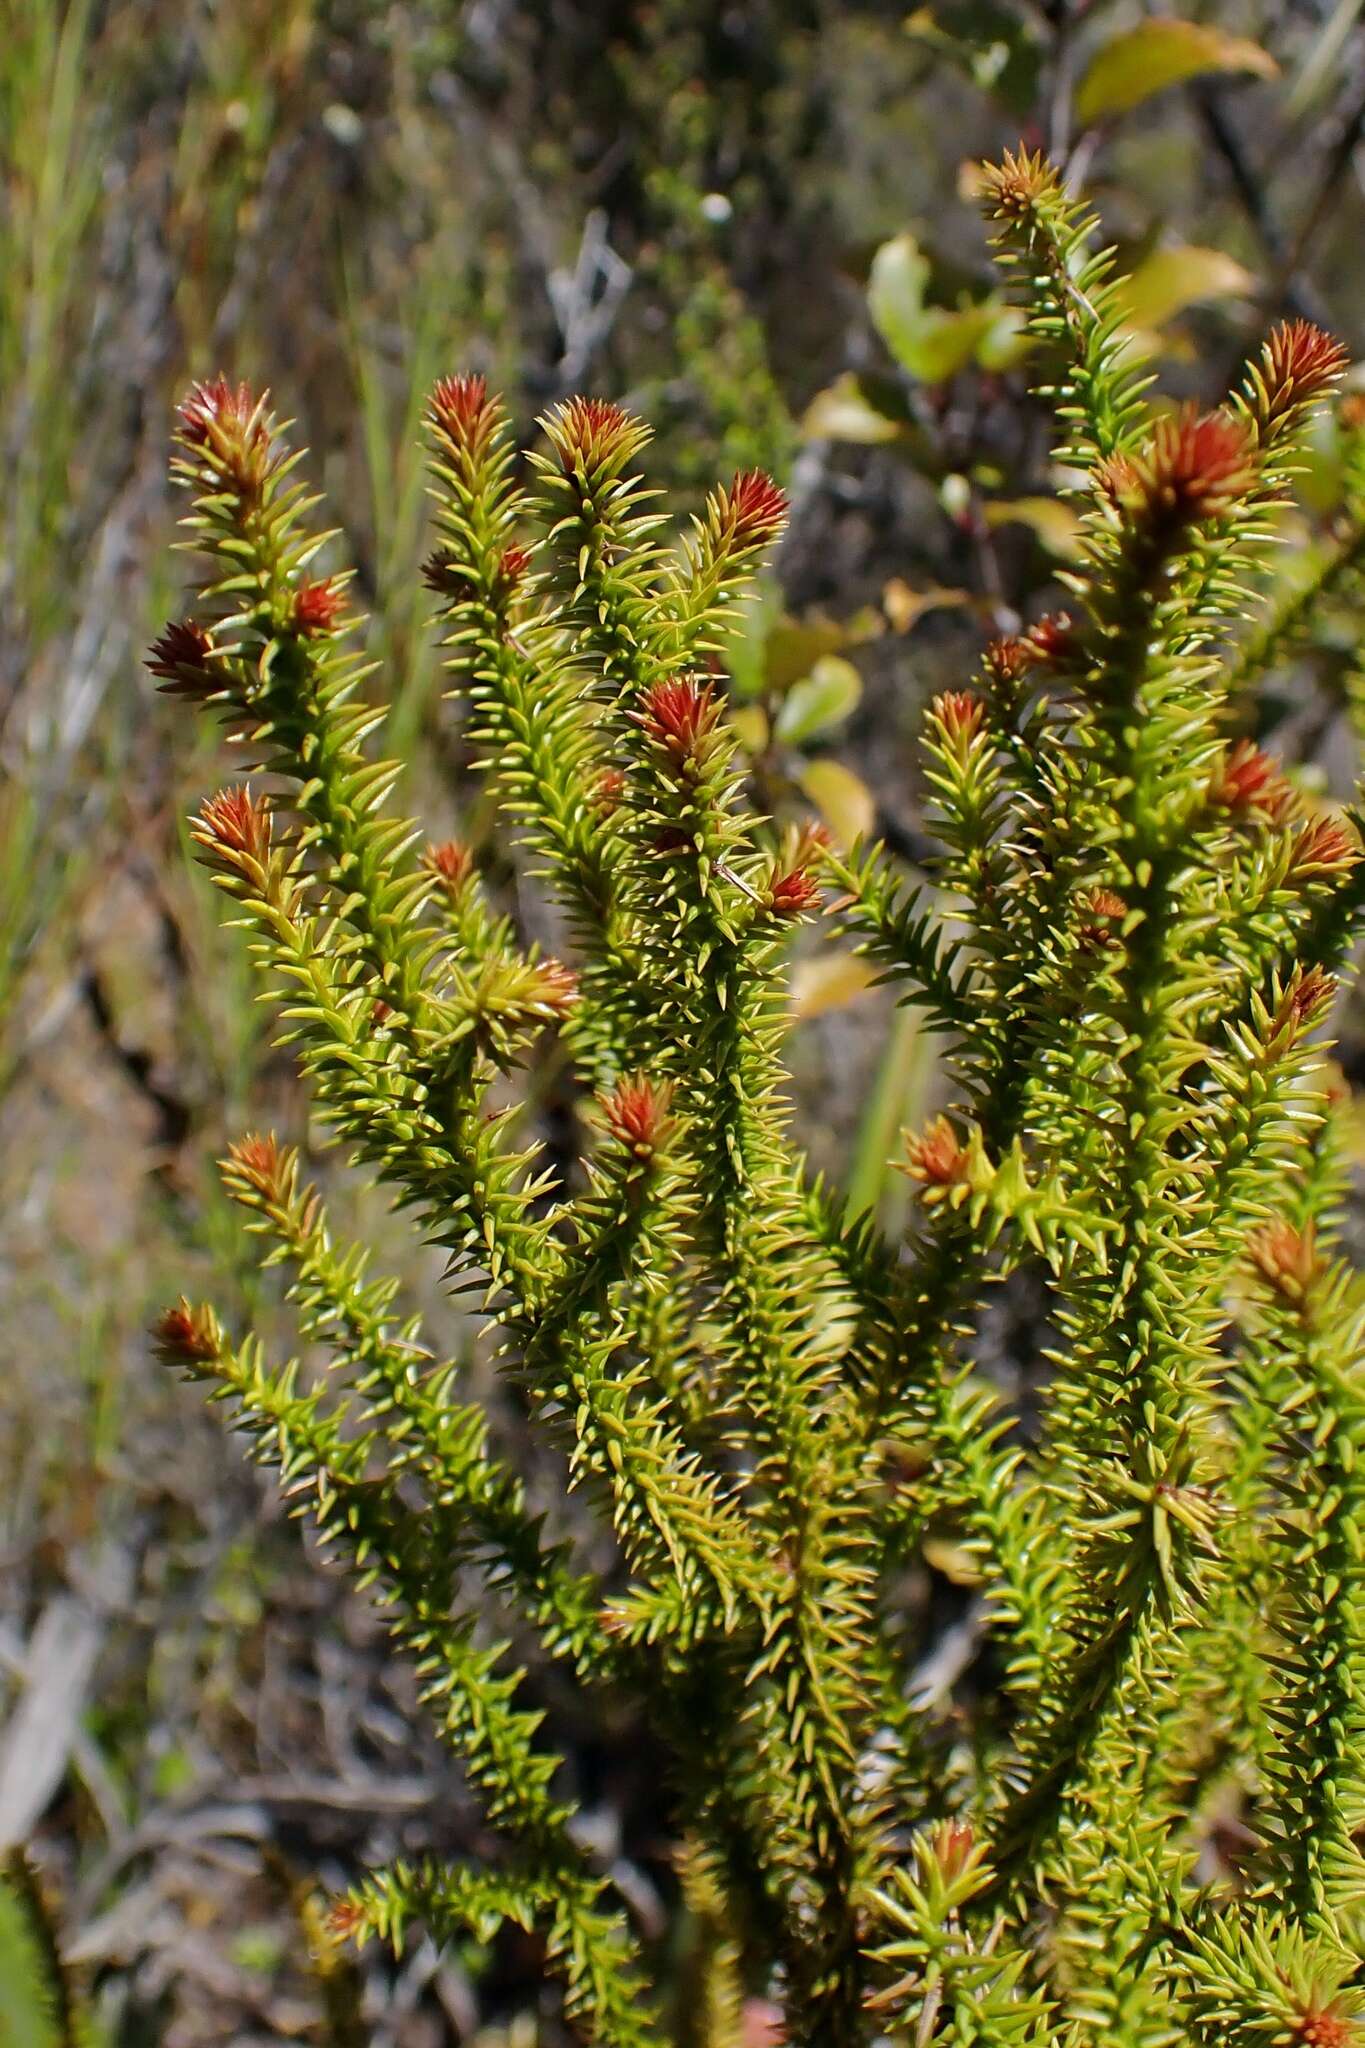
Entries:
{"x":754,"y":223}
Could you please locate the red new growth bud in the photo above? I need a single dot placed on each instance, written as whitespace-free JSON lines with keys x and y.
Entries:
{"x":752,"y":512}
{"x":1009,"y":658}
{"x":1327,"y":2029}
{"x":1298,"y":364}
{"x":228,"y":424}
{"x":952,"y":1846}
{"x":184,"y":1335}
{"x":588,"y":432}
{"x":1249,"y":780}
{"x":1052,"y":638}
{"x":515,"y":562}
{"x":935,"y":1156}
{"x":256,"y":1158}
{"x":960,"y":714}
{"x":346,"y":1920}
{"x":235,"y":822}
{"x":556,"y":987}
{"x":318,"y":604}
{"x":1285,"y":1258}
{"x":793,"y":893}
{"x":1116,"y":477}
{"x":461,"y":411}
{"x":637,"y":1113}
{"x":451,"y":862}
{"x":680,"y":714}
{"x":608,"y":790}
{"x":185,"y":657}
{"x":1309,"y":993}
{"x":1016,"y":184}
{"x":1196,"y":466}
{"x":1324,"y":846}
{"x":1101,"y":906}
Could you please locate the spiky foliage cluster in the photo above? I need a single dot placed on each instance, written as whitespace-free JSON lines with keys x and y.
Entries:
{"x":1129,"y":946}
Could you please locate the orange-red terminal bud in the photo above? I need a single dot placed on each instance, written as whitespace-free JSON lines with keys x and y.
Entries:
{"x":1299,"y":362}
{"x":680,"y":713}
{"x":935,"y":1156}
{"x":227,"y":424}
{"x":793,"y":893}
{"x":235,"y":821}
{"x":1196,"y":465}
{"x":1324,"y":846}
{"x":588,"y":431}
{"x":184,"y":657}
{"x":183,"y":1335}
{"x":451,"y":862}
{"x":752,"y":511}
{"x":1250,"y":780}
{"x":637,"y":1113}
{"x":257,"y":1159}
{"x":461,"y":410}
{"x":959,"y":713}
{"x":1285,"y":1257}
{"x":318,"y":604}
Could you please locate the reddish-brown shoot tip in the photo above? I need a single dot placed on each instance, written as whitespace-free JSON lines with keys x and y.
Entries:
{"x":185,"y":1335}
{"x":1285,"y":1257}
{"x":450,"y":862}
{"x":590,"y":434}
{"x":186,"y":659}
{"x":960,"y":714}
{"x":1299,"y":364}
{"x":1248,"y":780}
{"x":462,"y":412}
{"x":1325,"y":846}
{"x":319,"y":603}
{"x":227,"y":424}
{"x":680,"y":714}
{"x":752,"y":512}
{"x":935,"y":1156}
{"x":235,"y":823}
{"x":258,"y":1161}
{"x":1197,"y":466}
{"x":637,"y":1113}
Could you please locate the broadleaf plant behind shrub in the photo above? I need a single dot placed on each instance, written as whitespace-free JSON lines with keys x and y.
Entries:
{"x":772,"y":1408}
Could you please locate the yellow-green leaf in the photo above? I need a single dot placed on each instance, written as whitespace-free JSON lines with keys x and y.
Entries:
{"x":750,"y":725}
{"x":1160,"y":53}
{"x":843,"y":799}
{"x":1169,"y":279}
{"x":933,"y":342}
{"x":818,"y":702}
{"x":829,"y":981}
{"x":905,"y":607}
{"x":843,"y":412}
{"x":1055,"y":523}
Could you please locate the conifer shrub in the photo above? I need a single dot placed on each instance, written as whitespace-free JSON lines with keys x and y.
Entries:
{"x":1144,"y":1828}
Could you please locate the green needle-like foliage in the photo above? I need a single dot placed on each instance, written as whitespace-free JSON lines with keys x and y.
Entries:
{"x":1130,"y":945}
